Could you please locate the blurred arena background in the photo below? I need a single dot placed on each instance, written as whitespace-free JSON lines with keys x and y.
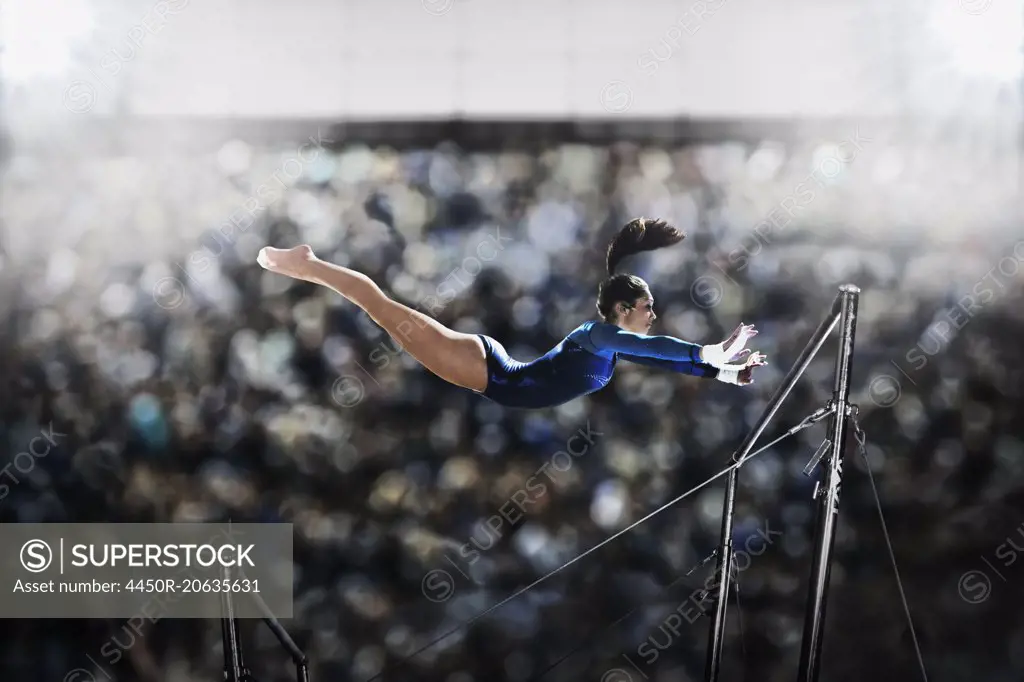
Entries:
{"x":474,"y":157}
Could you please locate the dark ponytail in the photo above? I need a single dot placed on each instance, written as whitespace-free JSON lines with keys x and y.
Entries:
{"x":638,"y":235}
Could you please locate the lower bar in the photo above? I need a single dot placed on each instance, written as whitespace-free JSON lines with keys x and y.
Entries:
{"x":828,"y":500}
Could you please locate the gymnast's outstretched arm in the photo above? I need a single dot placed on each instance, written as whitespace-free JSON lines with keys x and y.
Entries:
{"x":610,"y":337}
{"x":697,"y":369}
{"x":738,"y":375}
{"x":668,"y":352}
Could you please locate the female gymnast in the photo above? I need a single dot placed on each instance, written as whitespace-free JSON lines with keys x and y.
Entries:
{"x":583,"y":362}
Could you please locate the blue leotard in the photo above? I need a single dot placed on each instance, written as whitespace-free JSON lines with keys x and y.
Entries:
{"x":583,"y":362}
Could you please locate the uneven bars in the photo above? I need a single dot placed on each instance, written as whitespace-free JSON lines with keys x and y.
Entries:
{"x":724,"y":563}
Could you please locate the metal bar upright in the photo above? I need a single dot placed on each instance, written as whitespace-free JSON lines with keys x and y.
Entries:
{"x":828,"y":494}
{"x":233,"y":665}
{"x":724,"y":565}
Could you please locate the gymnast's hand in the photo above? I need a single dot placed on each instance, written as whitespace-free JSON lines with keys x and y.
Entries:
{"x":756,"y":359}
{"x":731,"y":350}
{"x":291,"y":262}
{"x":742,"y":374}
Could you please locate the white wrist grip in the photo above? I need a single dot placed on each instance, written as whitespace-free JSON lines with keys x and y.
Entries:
{"x":729,"y":375}
{"x":715,"y":355}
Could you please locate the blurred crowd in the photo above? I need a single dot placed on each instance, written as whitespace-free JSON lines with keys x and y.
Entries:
{"x":178,"y":381}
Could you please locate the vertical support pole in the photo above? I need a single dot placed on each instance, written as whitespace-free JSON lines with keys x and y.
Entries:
{"x":723,"y":571}
{"x":229,"y":633}
{"x":725,"y":555}
{"x":828,"y":494}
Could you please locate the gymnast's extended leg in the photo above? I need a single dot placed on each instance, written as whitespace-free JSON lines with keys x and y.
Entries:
{"x":455,"y":357}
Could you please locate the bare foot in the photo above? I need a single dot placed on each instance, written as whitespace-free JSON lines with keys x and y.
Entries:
{"x":291,"y":262}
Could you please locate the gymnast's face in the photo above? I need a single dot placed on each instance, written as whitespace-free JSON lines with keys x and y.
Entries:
{"x":639,"y":317}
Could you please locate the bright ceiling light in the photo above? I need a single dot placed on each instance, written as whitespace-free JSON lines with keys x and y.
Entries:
{"x":982,"y":38}
{"x":37,"y":37}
